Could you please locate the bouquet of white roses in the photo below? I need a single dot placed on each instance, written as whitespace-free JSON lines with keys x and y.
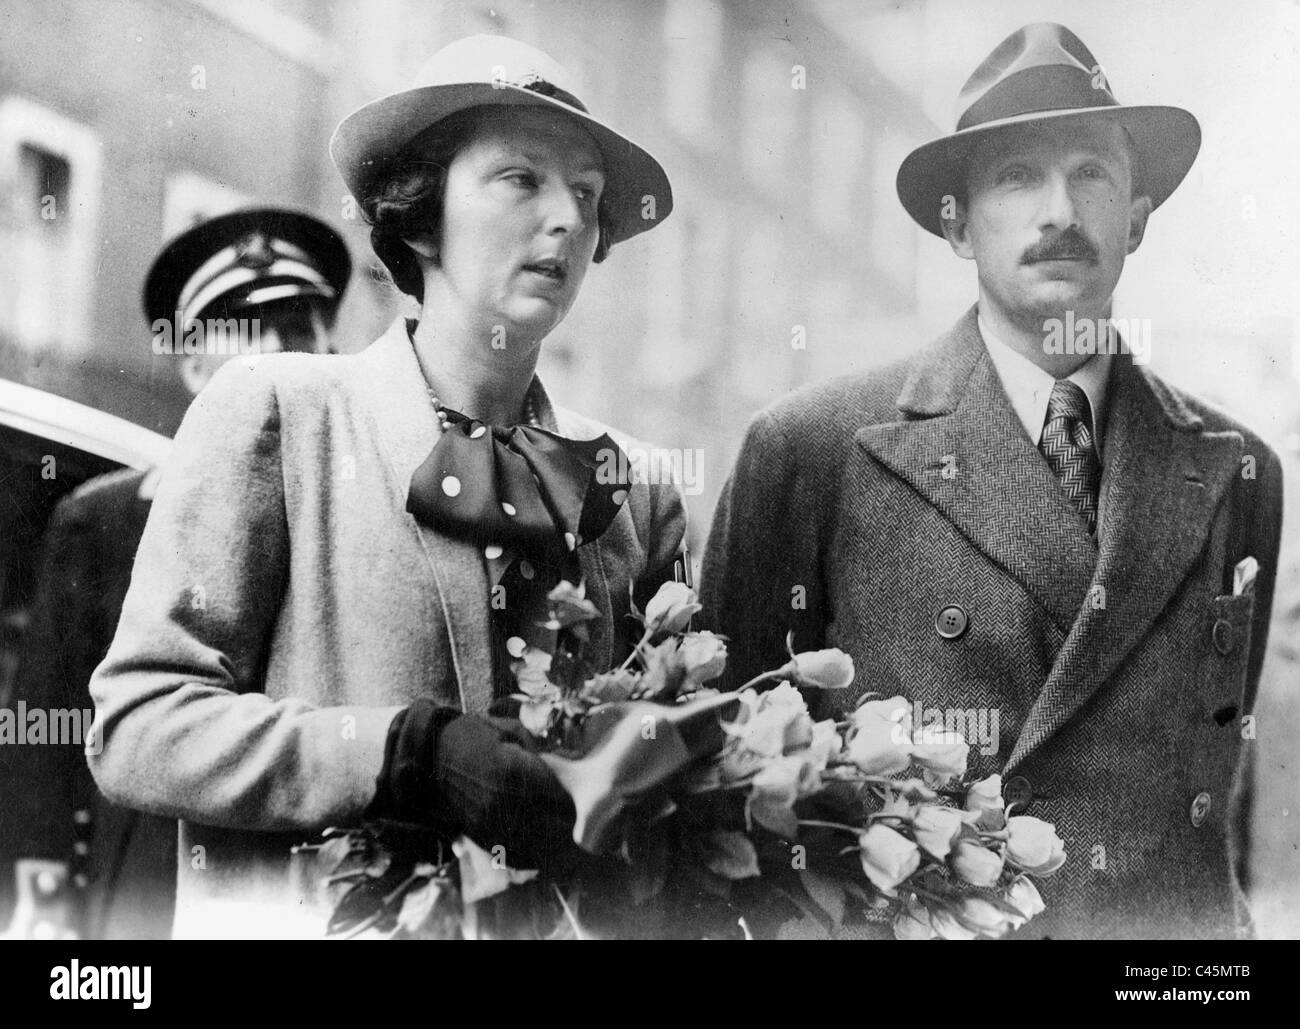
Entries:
{"x":708,"y":813}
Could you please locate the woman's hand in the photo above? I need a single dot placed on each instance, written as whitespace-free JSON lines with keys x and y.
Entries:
{"x":478,"y":777}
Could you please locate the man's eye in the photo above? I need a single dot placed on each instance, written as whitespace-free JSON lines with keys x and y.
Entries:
{"x":1092,"y":171}
{"x":1014,"y":176}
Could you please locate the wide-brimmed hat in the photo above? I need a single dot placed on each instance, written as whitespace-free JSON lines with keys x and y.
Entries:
{"x":246,"y":258}
{"x":1043,"y":71}
{"x":488,"y":70}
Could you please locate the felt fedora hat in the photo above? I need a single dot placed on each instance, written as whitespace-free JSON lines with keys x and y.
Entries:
{"x":488,"y":70}
{"x":245,"y":258}
{"x":1040,"y":72}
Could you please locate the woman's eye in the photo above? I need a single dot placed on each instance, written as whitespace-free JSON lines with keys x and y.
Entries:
{"x":585,"y":193}
{"x":522,"y":178}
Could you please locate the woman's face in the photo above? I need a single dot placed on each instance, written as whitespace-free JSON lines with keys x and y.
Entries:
{"x":519,"y":223}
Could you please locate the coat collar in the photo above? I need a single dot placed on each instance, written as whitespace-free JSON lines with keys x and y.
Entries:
{"x":394,"y":393}
{"x":1163,"y":480}
{"x":960,"y":445}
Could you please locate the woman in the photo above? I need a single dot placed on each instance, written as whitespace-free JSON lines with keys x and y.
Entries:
{"x":346,"y":553}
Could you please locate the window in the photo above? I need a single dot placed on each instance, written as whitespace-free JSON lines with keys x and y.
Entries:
{"x":839,"y":139}
{"x":49,"y":198}
{"x":692,"y":49}
{"x":190,"y":198}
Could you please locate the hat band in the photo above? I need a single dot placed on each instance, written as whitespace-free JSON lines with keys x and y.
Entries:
{"x":1048,"y":87}
{"x":553,"y":92}
{"x":235,"y":278}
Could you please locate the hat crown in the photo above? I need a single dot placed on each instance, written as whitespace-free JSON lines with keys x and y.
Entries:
{"x":1043,"y":64}
{"x":496,"y":60}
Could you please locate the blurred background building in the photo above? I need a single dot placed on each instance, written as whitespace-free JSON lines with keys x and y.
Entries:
{"x":787,"y":258}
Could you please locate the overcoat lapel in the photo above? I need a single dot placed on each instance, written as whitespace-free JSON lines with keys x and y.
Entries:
{"x":961,"y":447}
{"x":1164,"y":479}
{"x":394,"y":392}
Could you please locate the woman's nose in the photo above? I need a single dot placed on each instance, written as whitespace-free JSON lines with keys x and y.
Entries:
{"x":563,"y":211}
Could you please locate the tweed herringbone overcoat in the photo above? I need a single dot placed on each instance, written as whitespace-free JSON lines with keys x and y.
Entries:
{"x":284,"y":606}
{"x":1121,"y":673}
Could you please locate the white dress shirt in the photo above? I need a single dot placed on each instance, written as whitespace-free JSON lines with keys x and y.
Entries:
{"x":1029,"y":388}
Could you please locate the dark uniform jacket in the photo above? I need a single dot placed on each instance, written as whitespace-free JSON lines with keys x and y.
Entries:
{"x":906,"y":517}
{"x":123,"y":863}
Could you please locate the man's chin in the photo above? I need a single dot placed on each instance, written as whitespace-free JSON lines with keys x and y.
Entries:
{"x":1052,"y":299}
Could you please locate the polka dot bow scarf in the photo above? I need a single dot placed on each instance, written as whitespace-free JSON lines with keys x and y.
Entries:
{"x":529,"y":498}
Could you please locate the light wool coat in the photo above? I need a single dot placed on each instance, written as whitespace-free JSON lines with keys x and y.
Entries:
{"x":284,"y":607}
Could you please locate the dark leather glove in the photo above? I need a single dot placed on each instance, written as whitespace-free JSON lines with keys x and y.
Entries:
{"x":479,"y":777}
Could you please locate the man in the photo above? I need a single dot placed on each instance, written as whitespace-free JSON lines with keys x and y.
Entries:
{"x":1011,"y":526}
{"x":250,"y":282}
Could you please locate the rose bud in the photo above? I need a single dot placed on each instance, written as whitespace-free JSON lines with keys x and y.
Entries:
{"x":976,"y":865}
{"x":825,"y":745}
{"x":778,"y":782}
{"x":704,"y":655}
{"x":1033,"y":845}
{"x":671,"y":609}
{"x":888,"y":857}
{"x":986,"y":918}
{"x":946,"y":926}
{"x":875,"y":749}
{"x":824,"y":669}
{"x":985,"y":799}
{"x":896,"y":711}
{"x":881,"y":740}
{"x":1024,"y":895}
{"x":941,"y":754}
{"x":782,"y":695}
{"x":936,"y":829}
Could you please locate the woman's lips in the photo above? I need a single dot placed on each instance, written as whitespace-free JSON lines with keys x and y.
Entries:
{"x":546,"y":275}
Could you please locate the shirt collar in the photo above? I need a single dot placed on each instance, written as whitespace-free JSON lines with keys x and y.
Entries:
{"x":1029,"y":387}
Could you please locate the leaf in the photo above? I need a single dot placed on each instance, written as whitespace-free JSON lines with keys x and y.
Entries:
{"x":779,"y":818}
{"x":333,"y":853}
{"x":480,"y":878}
{"x":827,"y":894}
{"x":430,"y":912}
{"x":730,"y":854}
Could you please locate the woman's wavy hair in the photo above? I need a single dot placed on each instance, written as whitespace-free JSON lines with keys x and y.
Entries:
{"x":406,"y":200}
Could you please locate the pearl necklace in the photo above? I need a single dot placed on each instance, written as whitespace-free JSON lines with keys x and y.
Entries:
{"x":530,"y":410}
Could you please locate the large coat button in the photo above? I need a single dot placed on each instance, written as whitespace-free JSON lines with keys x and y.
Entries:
{"x":1200,"y":809}
{"x":1017,"y":791}
{"x":1223,"y":636}
{"x":951,"y":622}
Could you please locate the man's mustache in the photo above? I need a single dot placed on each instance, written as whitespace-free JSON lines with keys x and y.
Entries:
{"x":1068,"y":245}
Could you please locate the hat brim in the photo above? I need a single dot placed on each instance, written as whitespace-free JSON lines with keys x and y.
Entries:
{"x":1165,"y":142}
{"x":637,"y":194}
{"x":179,"y":259}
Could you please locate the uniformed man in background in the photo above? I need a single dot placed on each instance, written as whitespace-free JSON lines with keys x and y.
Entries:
{"x":253,"y":281}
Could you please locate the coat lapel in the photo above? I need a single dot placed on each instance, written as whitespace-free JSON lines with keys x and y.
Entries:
{"x":1164,"y":479}
{"x":961,"y":447}
{"x":393,"y":390}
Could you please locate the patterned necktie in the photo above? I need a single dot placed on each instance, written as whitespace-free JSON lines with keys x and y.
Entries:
{"x":1069,"y":447}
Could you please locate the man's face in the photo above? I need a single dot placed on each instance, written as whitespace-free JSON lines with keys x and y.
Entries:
{"x":1050,"y":217}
